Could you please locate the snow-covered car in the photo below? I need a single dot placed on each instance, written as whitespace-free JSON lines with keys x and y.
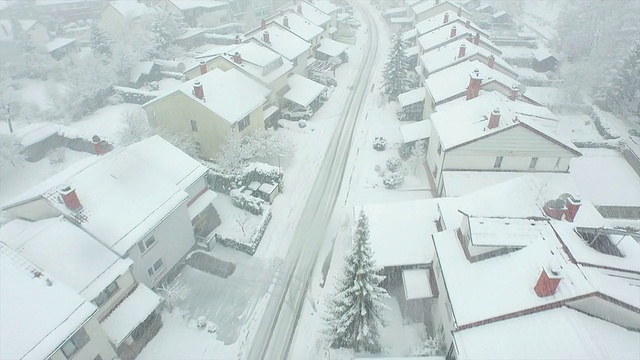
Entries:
{"x":297,"y":113}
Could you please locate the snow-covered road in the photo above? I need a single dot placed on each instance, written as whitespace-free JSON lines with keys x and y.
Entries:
{"x":274,"y":336}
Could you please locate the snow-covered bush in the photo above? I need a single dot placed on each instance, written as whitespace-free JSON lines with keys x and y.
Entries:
{"x":247,"y":202}
{"x":173,"y":293}
{"x":211,"y":328}
{"x":380,"y":143}
{"x":430,"y":347}
{"x":302,"y":123}
{"x":394,"y":164}
{"x":201,"y":322}
{"x":393,"y":180}
{"x":57,"y":156}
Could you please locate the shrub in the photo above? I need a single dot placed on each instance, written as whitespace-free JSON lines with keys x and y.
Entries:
{"x":393,"y":180}
{"x":380,"y":143}
{"x":250,"y":203}
{"x":394,"y":164}
{"x":405,"y":151}
{"x":302,"y":124}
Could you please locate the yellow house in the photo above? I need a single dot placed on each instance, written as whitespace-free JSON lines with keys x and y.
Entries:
{"x":118,"y":15}
{"x":211,"y":107}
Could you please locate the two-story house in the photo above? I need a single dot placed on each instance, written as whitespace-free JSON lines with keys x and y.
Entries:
{"x":438,"y":21}
{"x":211,"y":107}
{"x":314,"y":16}
{"x":426,"y":9}
{"x":301,"y":27}
{"x":494,"y":133}
{"x":284,"y":42}
{"x":328,"y":8}
{"x":127,"y":311}
{"x":119,"y":15}
{"x":452,"y":32}
{"x":42,"y":318}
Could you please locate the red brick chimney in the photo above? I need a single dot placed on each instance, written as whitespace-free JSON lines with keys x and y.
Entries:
{"x":265,"y":37}
{"x":546,"y":285}
{"x":237,"y":39}
{"x":462,"y":51}
{"x":555,"y":209}
{"x":203,"y":67}
{"x":513,"y":93}
{"x":263,"y":24}
{"x":572,"y":205}
{"x":454,"y":30}
{"x":70,"y":198}
{"x":476,"y":40}
{"x":467,"y":24}
{"x":494,"y":119}
{"x":475,"y":83}
{"x":446,"y":18}
{"x":492,"y":61}
{"x":300,"y":9}
{"x":237,"y":58}
{"x":285,"y":21}
{"x":459,"y":11}
{"x":100,"y":147}
{"x":470,"y":38}
{"x":198,"y":90}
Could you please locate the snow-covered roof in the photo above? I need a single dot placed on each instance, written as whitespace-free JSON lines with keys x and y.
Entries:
{"x":139,"y":69}
{"x":6,"y":33}
{"x":606,"y":180}
{"x":461,"y":121}
{"x":442,"y":35}
{"x":394,"y":11}
{"x":168,"y":161}
{"x":417,"y":284}
{"x":130,"y":313}
{"x":452,"y":82}
{"x":417,"y":131}
{"x":459,"y":183}
{"x":561,"y":333}
{"x":38,"y":313}
{"x":409,"y":34}
{"x":546,"y":96}
{"x":331,"y":47}
{"x":516,"y":52}
{"x":313,"y":14}
{"x":66,"y":252}
{"x":437,"y":21}
{"x":233,"y":94}
{"x":325,"y":6}
{"x":283,"y":41}
{"x":399,"y":232}
{"x":413,"y":51}
{"x":58,"y":43}
{"x":412,"y":96}
{"x":185,"y":5}
{"x":201,"y":203}
{"x":542,"y":54}
{"x":401,"y":20}
{"x":131,"y":9}
{"x":34,"y":133}
{"x":447,"y":55}
{"x":302,"y":90}
{"x":504,"y":284}
{"x":506,"y":232}
{"x":189,"y":33}
{"x":499,"y":14}
{"x":300,"y":26}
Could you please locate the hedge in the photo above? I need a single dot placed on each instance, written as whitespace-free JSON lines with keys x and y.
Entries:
{"x":250,"y":203}
{"x":252,"y":246}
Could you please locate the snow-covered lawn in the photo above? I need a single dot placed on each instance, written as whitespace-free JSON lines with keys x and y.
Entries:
{"x":237,"y":224}
{"x":400,"y":338}
{"x":578,"y":127}
{"x":105,"y":122}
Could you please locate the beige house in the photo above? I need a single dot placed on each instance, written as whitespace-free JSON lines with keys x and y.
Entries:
{"x":285,"y":43}
{"x":118,"y":15}
{"x":222,"y":101}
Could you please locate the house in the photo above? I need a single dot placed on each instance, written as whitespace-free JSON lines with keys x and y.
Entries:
{"x":96,"y":273}
{"x":69,"y":10}
{"x":544,"y":269}
{"x":448,"y":18}
{"x":314,"y":15}
{"x":452,"y":32}
{"x":419,"y":130}
{"x":161,"y":200}
{"x":34,"y":30}
{"x":253,"y":59}
{"x":411,"y":103}
{"x":328,"y":8}
{"x":429,"y":8}
{"x":301,"y":27}
{"x":502,"y":17}
{"x":468,"y":79}
{"x":330,"y":49}
{"x":211,"y":107}
{"x":494,"y":133}
{"x":458,"y":51}
{"x":119,"y":15}
{"x":60,"y":47}
{"x":544,"y":61}
{"x":304,"y":92}
{"x":198,"y":12}
{"x":42,"y":318}
{"x":285,"y":43}
{"x":144,"y":72}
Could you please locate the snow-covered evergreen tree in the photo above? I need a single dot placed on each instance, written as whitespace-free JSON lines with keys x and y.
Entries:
{"x":355,"y":311}
{"x":101,"y":42}
{"x":135,"y":127}
{"x":10,"y":153}
{"x":621,"y":93}
{"x":165,"y":26}
{"x":395,"y":74}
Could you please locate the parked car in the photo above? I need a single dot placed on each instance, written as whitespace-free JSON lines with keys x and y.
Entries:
{"x":297,"y":113}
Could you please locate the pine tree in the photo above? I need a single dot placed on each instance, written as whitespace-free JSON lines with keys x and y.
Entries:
{"x":396,"y":78}
{"x":101,"y":42}
{"x":355,"y":311}
{"x":622,"y":90}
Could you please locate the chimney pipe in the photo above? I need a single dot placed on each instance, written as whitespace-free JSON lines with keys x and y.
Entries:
{"x":203,"y":67}
{"x":99,"y":146}
{"x":467,"y":24}
{"x":265,"y":37}
{"x":285,"y":21}
{"x":70,"y":198}
{"x":462,"y":51}
{"x":546,"y":285}
{"x":513,"y":93}
{"x":237,"y":58}
{"x":237,"y":39}
{"x":555,"y":209}
{"x":459,"y":11}
{"x":475,"y":83}
{"x":470,"y":38}
{"x":446,"y":18}
{"x":494,"y":119}
{"x":198,"y":90}
{"x":572,"y":205}
{"x":491,"y":62}
{"x":300,"y":9}
{"x":263,"y":24}
{"x":454,"y":30}
{"x":476,"y":40}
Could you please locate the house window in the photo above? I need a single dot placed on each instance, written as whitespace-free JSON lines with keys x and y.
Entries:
{"x":194,"y":126}
{"x":156,"y":268}
{"x":439,"y":149}
{"x":144,"y":245}
{"x":532,"y":164}
{"x":498,"y":162}
{"x":242,"y":124}
{"x":75,"y":343}
{"x":106,"y":294}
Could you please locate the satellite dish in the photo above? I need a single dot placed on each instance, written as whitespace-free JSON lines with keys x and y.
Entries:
{"x":521,"y":89}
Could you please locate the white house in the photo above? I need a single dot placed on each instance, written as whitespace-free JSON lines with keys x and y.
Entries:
{"x":300,"y":26}
{"x":493,"y":133}
{"x":285,"y":43}
{"x":119,"y":15}
{"x":198,"y":12}
{"x":440,"y":20}
{"x":42,"y":318}
{"x":131,"y":200}
{"x":328,"y":8}
{"x":455,"y":31}
{"x":314,"y":15}
{"x":90,"y":269}
{"x":429,"y":8}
